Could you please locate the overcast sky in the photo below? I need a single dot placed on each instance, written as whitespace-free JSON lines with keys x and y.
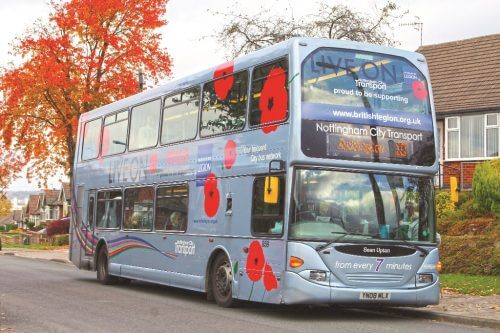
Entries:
{"x":190,"y":20}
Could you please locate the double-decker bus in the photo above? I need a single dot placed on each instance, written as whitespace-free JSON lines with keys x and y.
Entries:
{"x":300,"y":173}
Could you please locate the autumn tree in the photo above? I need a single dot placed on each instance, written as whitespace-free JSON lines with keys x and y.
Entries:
{"x":87,"y":54}
{"x":5,"y":206}
{"x":243,"y":32}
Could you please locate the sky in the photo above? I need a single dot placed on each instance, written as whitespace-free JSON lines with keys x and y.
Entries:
{"x":192,"y":22}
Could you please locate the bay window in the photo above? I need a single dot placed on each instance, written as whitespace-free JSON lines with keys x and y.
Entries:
{"x":472,"y":136}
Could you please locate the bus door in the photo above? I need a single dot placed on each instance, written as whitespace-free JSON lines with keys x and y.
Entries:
{"x":89,"y":224}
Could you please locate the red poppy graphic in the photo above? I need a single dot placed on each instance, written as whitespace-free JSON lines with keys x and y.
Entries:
{"x":270,"y":281}
{"x":153,"y":164}
{"x":230,"y":154}
{"x":255,"y":261}
{"x":419,"y":89}
{"x":223,"y":86}
{"x":212,"y":196}
{"x":273,"y":100}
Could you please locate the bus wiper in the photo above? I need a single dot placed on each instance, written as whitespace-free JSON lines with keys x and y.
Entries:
{"x":344,"y":234}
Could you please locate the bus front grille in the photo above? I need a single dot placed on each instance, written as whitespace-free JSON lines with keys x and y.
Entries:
{"x":374,"y":278}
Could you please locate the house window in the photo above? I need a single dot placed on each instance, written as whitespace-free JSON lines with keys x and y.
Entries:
{"x":53,"y":213}
{"x":492,"y":134}
{"x":474,"y":136}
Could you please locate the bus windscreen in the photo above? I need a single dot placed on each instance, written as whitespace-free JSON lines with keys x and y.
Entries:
{"x":365,"y":106}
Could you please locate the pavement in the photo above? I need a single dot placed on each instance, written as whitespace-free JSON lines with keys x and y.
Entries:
{"x":482,"y":311}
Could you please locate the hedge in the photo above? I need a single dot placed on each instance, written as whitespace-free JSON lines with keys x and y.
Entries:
{"x":470,"y":254}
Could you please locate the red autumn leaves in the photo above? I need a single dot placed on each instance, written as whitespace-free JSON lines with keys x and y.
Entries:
{"x":273,"y":100}
{"x":257,"y":267}
{"x":212,"y":195}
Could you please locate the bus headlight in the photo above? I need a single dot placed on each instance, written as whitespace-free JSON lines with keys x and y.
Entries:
{"x":425,"y":278}
{"x":317,"y":275}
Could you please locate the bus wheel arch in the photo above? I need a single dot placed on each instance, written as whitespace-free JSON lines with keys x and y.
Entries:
{"x":216,"y":258}
{"x":102,"y":265}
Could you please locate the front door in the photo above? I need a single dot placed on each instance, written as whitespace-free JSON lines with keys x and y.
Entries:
{"x":90,"y":223}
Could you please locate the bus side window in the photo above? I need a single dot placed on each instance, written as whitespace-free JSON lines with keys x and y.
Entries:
{"x":144,"y":125}
{"x":269,"y":93}
{"x":171,"y":208}
{"x":114,"y":134}
{"x":180,"y":116}
{"x":138,"y":204}
{"x":109,"y":209}
{"x":91,"y":139}
{"x":267,"y":218}
{"x":221,"y":111}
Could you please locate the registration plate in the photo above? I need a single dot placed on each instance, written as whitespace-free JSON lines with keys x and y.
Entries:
{"x":375,"y":296}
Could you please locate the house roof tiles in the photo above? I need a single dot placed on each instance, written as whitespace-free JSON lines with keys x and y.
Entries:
{"x":465,"y":74}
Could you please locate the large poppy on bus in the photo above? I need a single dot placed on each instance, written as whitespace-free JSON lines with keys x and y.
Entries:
{"x":212,"y":196}
{"x":223,"y":85}
{"x":229,"y":154}
{"x":255,"y":261}
{"x":273,"y":100}
{"x":270,"y":281}
{"x":419,"y":89}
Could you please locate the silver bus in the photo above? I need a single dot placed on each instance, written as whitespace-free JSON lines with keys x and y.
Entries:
{"x":300,"y":173}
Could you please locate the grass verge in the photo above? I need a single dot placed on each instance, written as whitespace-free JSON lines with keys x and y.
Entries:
{"x":483,"y":285}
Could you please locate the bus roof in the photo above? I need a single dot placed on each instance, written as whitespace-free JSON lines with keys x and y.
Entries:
{"x":242,"y":62}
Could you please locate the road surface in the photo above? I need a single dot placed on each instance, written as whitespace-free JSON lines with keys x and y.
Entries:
{"x":45,"y":296}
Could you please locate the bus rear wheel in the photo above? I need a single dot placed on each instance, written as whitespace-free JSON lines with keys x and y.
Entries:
{"x":222,"y":282}
{"x":103,"y":268}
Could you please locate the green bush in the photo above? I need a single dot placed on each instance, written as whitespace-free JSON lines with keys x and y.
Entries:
{"x":444,"y":205}
{"x":464,"y":197}
{"x":470,"y":254}
{"x":486,"y":186}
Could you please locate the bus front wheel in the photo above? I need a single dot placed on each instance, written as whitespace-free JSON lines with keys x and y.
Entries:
{"x":103,"y":268}
{"x":222,"y":282}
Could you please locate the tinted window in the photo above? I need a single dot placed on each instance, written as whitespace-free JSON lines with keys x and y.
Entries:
{"x":114,"y":135}
{"x":172,"y":208}
{"x":109,"y":209}
{"x":180,"y":117}
{"x":364,"y":106}
{"x":91,"y":139}
{"x":267,"y":218}
{"x":224,"y":114}
{"x":139,"y":208}
{"x":144,"y":125}
{"x":362,"y":79}
{"x":269,"y":93}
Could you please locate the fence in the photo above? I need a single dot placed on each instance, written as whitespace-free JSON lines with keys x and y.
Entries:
{"x":32,"y":239}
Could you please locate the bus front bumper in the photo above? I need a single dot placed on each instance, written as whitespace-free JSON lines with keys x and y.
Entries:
{"x":298,"y":290}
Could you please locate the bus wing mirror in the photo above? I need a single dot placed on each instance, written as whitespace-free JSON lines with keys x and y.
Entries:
{"x":271,"y":190}
{"x":276,"y":166}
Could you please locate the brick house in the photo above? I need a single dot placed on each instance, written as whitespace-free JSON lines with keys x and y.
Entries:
{"x":33,"y":213}
{"x":65,"y":199}
{"x":50,"y":205}
{"x":465,"y":78}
